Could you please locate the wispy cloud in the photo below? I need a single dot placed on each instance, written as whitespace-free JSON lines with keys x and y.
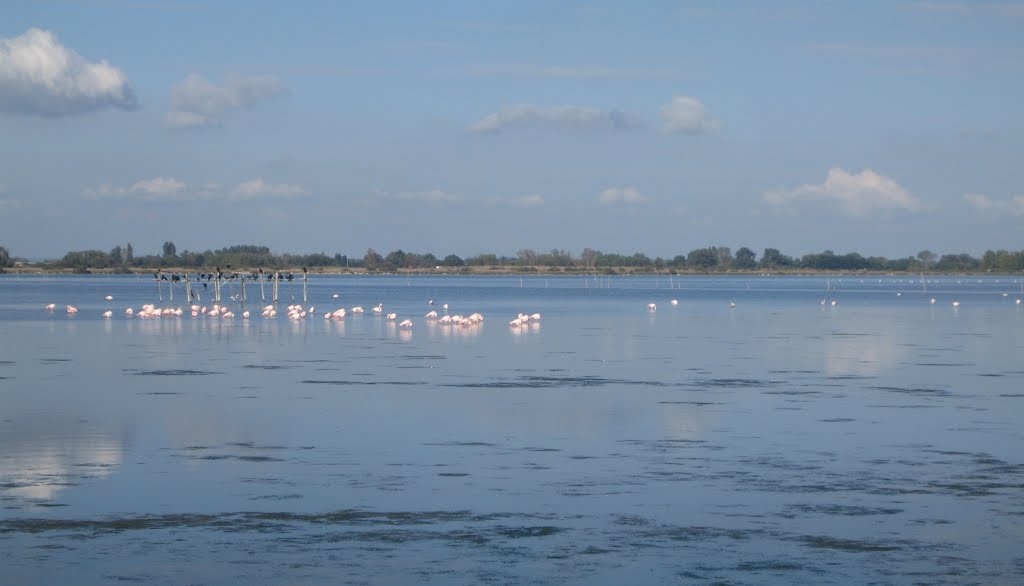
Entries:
{"x":522,"y":201}
{"x":258,"y":188}
{"x":557,"y":71}
{"x":628,"y":195}
{"x":687,"y":115}
{"x":432,"y":196}
{"x":39,"y":76}
{"x":6,"y":201}
{"x":562,"y":117}
{"x":857,"y":194}
{"x":196,"y":102}
{"x":169,"y":189}
{"x":527,"y":201}
{"x":151,"y":189}
{"x":981,"y":202}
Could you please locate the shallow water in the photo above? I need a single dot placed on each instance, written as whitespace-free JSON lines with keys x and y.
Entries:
{"x":780,"y":441}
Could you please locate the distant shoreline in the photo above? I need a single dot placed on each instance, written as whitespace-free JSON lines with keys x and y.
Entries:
{"x":503,"y":270}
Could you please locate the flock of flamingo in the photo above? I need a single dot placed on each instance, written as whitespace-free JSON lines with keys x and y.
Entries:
{"x":297,"y":312}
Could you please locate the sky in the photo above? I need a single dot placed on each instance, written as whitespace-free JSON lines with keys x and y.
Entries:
{"x":450,"y":127}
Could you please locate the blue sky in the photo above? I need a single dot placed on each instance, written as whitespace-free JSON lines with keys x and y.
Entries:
{"x":471,"y":127}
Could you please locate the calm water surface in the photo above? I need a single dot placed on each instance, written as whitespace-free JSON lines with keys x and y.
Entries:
{"x":785,"y":440}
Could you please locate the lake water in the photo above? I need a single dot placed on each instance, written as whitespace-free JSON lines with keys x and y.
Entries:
{"x":783,"y":440}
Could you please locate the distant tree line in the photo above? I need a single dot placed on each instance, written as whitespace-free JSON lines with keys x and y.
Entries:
{"x":709,"y":259}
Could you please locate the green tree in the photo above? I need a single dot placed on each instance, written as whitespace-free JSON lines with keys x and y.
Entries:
{"x":702,"y":258}
{"x":773,"y":259}
{"x":169,"y":250}
{"x":395,"y":259}
{"x":129,"y":257}
{"x":372,"y":260}
{"x":453,"y":261}
{"x":5,"y":258}
{"x":745,"y":259}
{"x":927,"y":258}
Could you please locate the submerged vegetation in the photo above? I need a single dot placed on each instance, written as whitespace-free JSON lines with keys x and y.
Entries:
{"x":710,"y":259}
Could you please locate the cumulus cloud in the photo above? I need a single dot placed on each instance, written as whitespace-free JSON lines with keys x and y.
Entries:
{"x":857,"y":194}
{"x":564,"y":117}
{"x":621,"y":195}
{"x":196,"y":102}
{"x":984,"y":203}
{"x":687,"y":115}
{"x":256,"y":188}
{"x":41,"y":77}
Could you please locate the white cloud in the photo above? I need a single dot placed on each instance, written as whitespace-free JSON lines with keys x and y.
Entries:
{"x":196,"y":102}
{"x":40,"y":76}
{"x":687,"y":115}
{"x":984,"y":203}
{"x":155,"y":188}
{"x":856,"y":194}
{"x":259,"y":188}
{"x":567,"y":117}
{"x":433,"y":196}
{"x":170,"y":189}
{"x":527,"y":201}
{"x":621,"y":195}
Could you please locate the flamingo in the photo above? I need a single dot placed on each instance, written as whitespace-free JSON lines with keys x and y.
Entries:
{"x":50,"y":306}
{"x":675,"y":302}
{"x":392,"y":316}
{"x":535,"y":317}
{"x":109,"y":297}
{"x":732,"y":305}
{"x":72,"y":310}
{"x":129,"y":311}
{"x":652,"y":307}
{"x":405,"y":323}
{"x":107,"y":313}
{"x":431,"y":314}
{"x":956,"y":304}
{"x":379,"y":309}
{"x":357,"y":309}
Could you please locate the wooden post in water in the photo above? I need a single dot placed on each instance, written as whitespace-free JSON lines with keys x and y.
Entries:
{"x":216,"y":287}
{"x":277,"y":279}
{"x":263,"y":294}
{"x":303,"y":285}
{"x":170,"y":288}
{"x":188,"y":289}
{"x":159,"y":290}
{"x":242,"y":278}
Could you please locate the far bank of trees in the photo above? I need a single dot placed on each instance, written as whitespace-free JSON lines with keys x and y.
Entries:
{"x":708,"y":259}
